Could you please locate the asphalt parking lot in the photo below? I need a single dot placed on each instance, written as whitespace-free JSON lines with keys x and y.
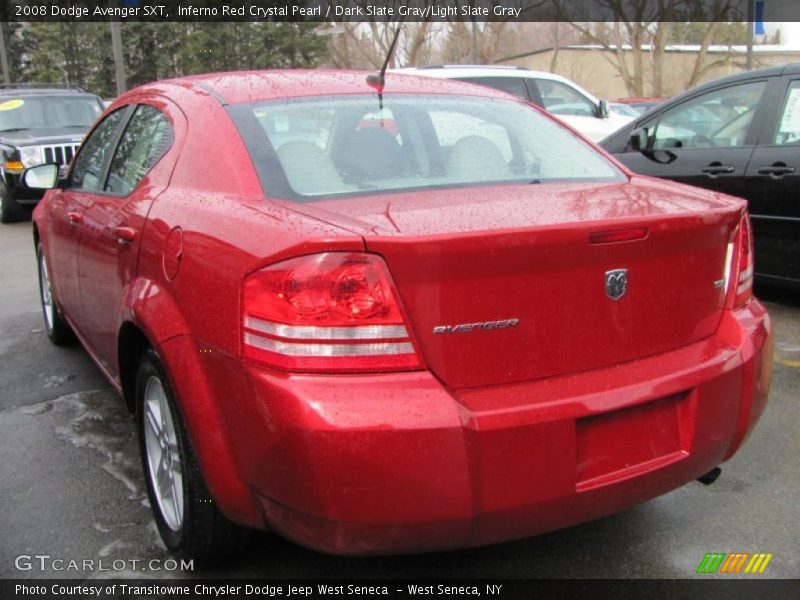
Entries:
{"x":71,"y":485}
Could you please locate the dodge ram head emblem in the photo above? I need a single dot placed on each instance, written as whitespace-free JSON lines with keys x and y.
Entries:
{"x":616,"y":283}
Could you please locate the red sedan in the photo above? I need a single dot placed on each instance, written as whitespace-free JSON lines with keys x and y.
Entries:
{"x":466,"y":326}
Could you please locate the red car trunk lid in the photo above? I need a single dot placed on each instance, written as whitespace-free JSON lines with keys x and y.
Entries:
{"x":509,"y":283}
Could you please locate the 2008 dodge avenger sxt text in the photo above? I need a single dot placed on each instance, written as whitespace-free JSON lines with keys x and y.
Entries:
{"x":395,"y":318}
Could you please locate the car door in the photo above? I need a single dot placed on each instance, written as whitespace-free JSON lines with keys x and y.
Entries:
{"x":706,"y":140}
{"x":66,"y":212}
{"x":113,"y":222}
{"x":773,"y":186}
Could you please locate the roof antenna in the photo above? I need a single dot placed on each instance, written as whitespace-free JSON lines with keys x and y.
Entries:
{"x":378,"y":81}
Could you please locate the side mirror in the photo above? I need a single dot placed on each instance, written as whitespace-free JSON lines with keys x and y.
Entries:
{"x":638,"y":139}
{"x":41,"y":177}
{"x":602,"y":109}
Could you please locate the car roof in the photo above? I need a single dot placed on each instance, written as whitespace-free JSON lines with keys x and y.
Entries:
{"x":32,"y":89}
{"x":249,"y":86}
{"x":776,"y":71}
{"x":445,"y":71}
{"x":453,"y":71}
{"x":48,"y":94}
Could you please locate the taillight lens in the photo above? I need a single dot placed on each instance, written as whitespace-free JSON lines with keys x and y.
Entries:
{"x":326,"y":312}
{"x":741,"y":277}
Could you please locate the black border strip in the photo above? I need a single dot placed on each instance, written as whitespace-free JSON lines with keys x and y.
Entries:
{"x":389,"y":10}
{"x":732,"y":588}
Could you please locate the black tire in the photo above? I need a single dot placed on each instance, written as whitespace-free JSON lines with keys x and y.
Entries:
{"x":9,"y":209}
{"x":200,"y":531}
{"x":56,"y":328}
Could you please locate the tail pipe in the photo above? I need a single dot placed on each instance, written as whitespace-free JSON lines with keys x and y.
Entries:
{"x":710,"y":477}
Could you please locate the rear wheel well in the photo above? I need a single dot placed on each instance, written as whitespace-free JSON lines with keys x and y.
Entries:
{"x":132,"y":343}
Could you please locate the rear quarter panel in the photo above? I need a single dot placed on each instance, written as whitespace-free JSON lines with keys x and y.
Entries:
{"x":186,"y":296}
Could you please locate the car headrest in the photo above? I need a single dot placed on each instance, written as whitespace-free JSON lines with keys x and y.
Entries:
{"x":371,"y":153}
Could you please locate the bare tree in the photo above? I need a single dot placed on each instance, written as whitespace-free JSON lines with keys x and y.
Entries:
{"x":641,"y":28}
{"x":461,"y":46}
{"x":365,"y":45}
{"x":556,"y":46}
{"x":701,"y":66}
{"x":417,"y":45}
{"x":633,"y":23}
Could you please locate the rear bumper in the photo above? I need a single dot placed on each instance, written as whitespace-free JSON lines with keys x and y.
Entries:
{"x":398,"y":463}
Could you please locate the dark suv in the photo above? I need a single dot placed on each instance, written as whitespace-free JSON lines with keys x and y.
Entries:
{"x":38,"y":124}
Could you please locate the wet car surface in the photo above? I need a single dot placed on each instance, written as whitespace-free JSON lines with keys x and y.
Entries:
{"x":72,"y":486}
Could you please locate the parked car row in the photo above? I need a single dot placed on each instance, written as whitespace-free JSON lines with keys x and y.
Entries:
{"x":739,"y":135}
{"x":397,"y":314}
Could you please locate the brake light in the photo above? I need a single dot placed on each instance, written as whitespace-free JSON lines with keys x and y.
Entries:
{"x":741,"y":277}
{"x":622,"y":235}
{"x":326,"y":312}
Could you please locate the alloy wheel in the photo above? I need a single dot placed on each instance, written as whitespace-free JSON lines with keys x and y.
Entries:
{"x":48,"y":306}
{"x":163,"y":454}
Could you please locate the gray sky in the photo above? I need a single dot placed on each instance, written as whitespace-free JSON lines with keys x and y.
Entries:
{"x":790,"y":33}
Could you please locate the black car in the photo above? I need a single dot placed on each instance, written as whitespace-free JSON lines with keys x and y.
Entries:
{"x":739,"y":135}
{"x":38,"y":124}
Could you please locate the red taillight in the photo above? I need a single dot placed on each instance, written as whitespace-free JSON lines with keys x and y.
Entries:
{"x":741,"y":277}
{"x":326,"y":312}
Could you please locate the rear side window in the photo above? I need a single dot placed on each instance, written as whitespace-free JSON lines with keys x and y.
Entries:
{"x":720,"y":118}
{"x":561,"y":99}
{"x":146,"y":139}
{"x":512,"y":85}
{"x":788,"y":131}
{"x":89,"y":163}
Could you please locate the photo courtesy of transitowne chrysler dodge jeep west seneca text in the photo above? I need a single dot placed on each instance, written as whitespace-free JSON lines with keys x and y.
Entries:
{"x":398,"y":316}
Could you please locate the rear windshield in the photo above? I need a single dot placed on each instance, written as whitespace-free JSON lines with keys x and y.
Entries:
{"x":315,"y":148}
{"x":48,"y":112}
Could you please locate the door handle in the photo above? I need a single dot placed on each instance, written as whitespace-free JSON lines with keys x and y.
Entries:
{"x":775,"y":170}
{"x":716,"y":168}
{"x":75,"y":218}
{"x":125,"y":235}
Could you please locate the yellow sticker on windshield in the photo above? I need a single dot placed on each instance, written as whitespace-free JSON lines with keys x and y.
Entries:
{"x":11,"y":104}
